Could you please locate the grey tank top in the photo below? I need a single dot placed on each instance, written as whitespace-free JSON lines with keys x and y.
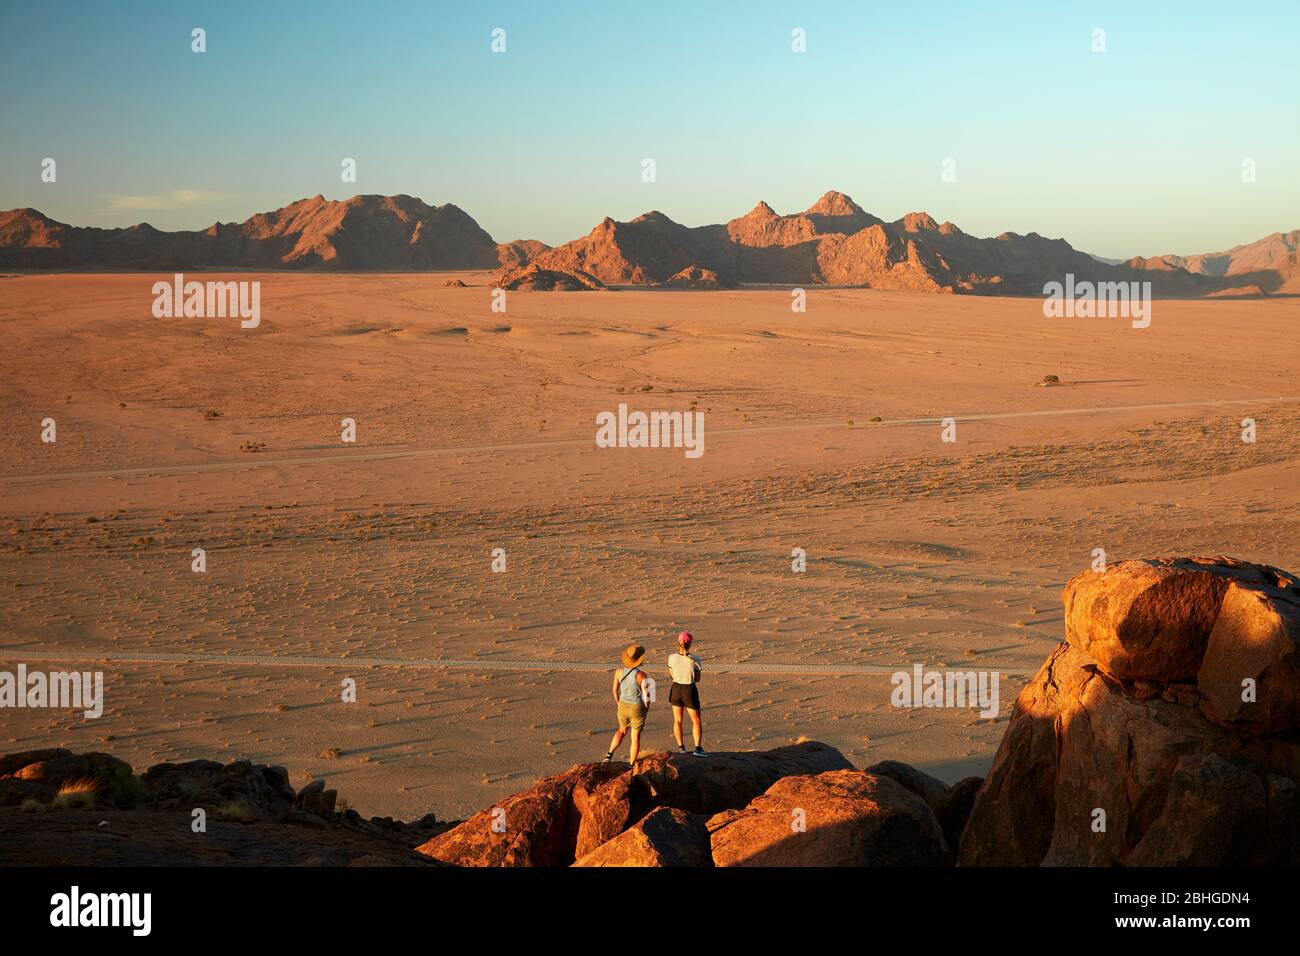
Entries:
{"x":629,"y":691}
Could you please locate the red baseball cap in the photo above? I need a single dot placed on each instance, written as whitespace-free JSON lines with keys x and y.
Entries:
{"x":684,"y":638}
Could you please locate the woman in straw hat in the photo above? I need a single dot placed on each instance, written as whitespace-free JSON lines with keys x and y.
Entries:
{"x":633,"y":702}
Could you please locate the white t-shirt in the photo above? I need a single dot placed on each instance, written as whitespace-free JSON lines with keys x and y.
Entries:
{"x":682,"y":667}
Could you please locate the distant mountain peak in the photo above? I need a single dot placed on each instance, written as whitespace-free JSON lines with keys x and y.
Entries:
{"x":919,"y":222}
{"x":834,"y":203}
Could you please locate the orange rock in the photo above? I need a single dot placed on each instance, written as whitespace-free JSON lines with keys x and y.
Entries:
{"x":724,"y":781}
{"x":665,"y":837}
{"x":928,"y":788}
{"x":572,"y":814}
{"x":606,"y":810}
{"x":533,"y":278}
{"x":1250,"y":676}
{"x":1144,"y":620}
{"x":1089,"y":774}
{"x":538,"y":827}
{"x":839,"y":818}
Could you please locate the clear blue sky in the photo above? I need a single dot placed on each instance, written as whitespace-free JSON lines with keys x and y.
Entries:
{"x":1134,"y":151}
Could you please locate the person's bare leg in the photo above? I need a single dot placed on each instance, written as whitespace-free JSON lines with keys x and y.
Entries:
{"x":618,"y":739}
{"x":677,"y":724}
{"x":697,"y":731}
{"x":635,"y":747}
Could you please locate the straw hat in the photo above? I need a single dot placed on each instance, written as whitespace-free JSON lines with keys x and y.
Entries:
{"x":633,"y":654}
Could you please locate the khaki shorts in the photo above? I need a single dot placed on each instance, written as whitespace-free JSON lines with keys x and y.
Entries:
{"x":631,"y":715}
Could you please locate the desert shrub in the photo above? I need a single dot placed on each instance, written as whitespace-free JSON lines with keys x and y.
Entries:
{"x":80,"y":794}
{"x":122,"y":788}
{"x":238,"y":811}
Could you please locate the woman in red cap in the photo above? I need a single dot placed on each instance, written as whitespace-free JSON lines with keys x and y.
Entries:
{"x":685,"y":695}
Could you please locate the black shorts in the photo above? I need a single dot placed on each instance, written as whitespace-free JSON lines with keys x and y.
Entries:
{"x":685,"y":695}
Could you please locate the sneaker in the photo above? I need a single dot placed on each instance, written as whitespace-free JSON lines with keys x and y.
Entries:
{"x":681,"y":749}
{"x":698,"y":752}
{"x":608,"y":757}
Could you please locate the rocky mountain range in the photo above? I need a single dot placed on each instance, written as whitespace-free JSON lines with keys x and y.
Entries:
{"x":390,"y":233}
{"x":833,"y":242}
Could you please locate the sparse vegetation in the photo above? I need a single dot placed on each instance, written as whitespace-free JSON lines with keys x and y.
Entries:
{"x":253,"y":446}
{"x":211,"y":414}
{"x":121,"y":788}
{"x":78,"y":794}
{"x":237,"y":811}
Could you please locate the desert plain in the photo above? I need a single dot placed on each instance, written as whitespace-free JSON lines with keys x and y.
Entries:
{"x":373,"y":560}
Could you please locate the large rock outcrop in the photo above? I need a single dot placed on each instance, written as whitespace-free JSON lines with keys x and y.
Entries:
{"x":840,"y":818}
{"x":59,"y":808}
{"x":40,"y":775}
{"x":664,"y":837}
{"x":695,"y":277}
{"x":1163,"y":732}
{"x":538,"y":827}
{"x":930,"y":789}
{"x":78,"y":838}
{"x":569,"y":816}
{"x":1214,"y":622}
{"x":725,"y":781}
{"x":533,"y":278}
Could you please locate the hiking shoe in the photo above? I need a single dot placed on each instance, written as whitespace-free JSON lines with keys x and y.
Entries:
{"x":697,"y":752}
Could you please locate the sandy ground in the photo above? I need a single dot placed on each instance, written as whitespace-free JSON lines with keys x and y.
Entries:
{"x":475,"y":431}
